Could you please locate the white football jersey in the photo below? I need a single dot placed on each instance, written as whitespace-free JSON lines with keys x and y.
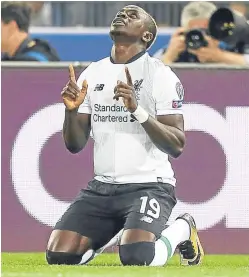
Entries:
{"x":123,"y":152}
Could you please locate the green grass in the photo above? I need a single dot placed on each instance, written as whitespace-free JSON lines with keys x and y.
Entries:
{"x":34,"y":265}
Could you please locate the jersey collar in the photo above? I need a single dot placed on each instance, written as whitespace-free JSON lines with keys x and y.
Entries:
{"x":134,"y":58}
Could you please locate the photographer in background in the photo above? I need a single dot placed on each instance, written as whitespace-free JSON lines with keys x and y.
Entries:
{"x":16,"y":45}
{"x":196,"y":15}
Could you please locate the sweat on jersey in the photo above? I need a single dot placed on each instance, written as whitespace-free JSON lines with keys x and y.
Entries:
{"x":123,"y":152}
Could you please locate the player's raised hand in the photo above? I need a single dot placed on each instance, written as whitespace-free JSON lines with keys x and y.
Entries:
{"x":72,"y":95}
{"x":127,"y":92}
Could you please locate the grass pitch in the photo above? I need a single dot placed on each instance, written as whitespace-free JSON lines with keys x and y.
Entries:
{"x":108,"y":265}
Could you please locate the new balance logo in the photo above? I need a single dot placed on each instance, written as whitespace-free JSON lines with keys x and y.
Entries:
{"x":99,"y":87}
{"x":133,"y":118}
{"x":147,"y":219}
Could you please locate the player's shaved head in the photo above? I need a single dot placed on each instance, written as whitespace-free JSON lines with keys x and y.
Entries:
{"x":134,"y":24}
{"x":150,"y":22}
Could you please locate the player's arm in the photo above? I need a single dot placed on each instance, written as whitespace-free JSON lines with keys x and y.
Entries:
{"x":76,"y":130}
{"x":167,"y":133}
{"x":167,"y":130}
{"x":77,"y":126}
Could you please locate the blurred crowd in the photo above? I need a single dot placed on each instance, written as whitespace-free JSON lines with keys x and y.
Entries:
{"x":17,"y":17}
{"x":16,"y":43}
{"x":81,"y":13}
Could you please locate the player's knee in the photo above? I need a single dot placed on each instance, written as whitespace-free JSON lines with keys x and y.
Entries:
{"x":139,"y":253}
{"x":62,"y":258}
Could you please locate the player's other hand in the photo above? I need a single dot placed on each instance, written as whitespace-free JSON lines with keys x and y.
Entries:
{"x":126,"y":92}
{"x":72,"y":95}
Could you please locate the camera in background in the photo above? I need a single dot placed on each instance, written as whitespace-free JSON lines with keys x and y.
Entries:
{"x":229,"y":26}
{"x":195,"y":39}
{"x":224,"y":25}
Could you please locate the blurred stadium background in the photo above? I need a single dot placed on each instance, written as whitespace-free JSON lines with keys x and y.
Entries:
{"x":84,"y":36}
{"x":36,"y":169}
{"x":99,"y":14}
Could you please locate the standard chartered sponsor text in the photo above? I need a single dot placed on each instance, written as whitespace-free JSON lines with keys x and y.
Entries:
{"x":102,"y":113}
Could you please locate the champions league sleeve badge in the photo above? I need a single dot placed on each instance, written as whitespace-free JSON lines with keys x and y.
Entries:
{"x":180,"y":90}
{"x":176,"y":104}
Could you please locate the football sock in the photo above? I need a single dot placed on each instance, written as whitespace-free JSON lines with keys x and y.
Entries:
{"x":165,"y":246}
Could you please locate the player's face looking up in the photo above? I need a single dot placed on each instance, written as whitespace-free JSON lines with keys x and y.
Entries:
{"x":131,"y":25}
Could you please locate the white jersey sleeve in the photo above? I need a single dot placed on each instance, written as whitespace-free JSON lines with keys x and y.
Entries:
{"x":167,"y":91}
{"x":85,"y":107}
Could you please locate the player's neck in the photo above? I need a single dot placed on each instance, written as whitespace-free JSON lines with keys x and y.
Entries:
{"x":122,"y":53}
{"x":16,"y":41}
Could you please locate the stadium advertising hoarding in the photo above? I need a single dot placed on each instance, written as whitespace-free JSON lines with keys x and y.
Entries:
{"x":40,"y":177}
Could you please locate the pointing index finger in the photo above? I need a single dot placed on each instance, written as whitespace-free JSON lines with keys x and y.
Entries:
{"x":128,"y":77}
{"x":71,"y":73}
